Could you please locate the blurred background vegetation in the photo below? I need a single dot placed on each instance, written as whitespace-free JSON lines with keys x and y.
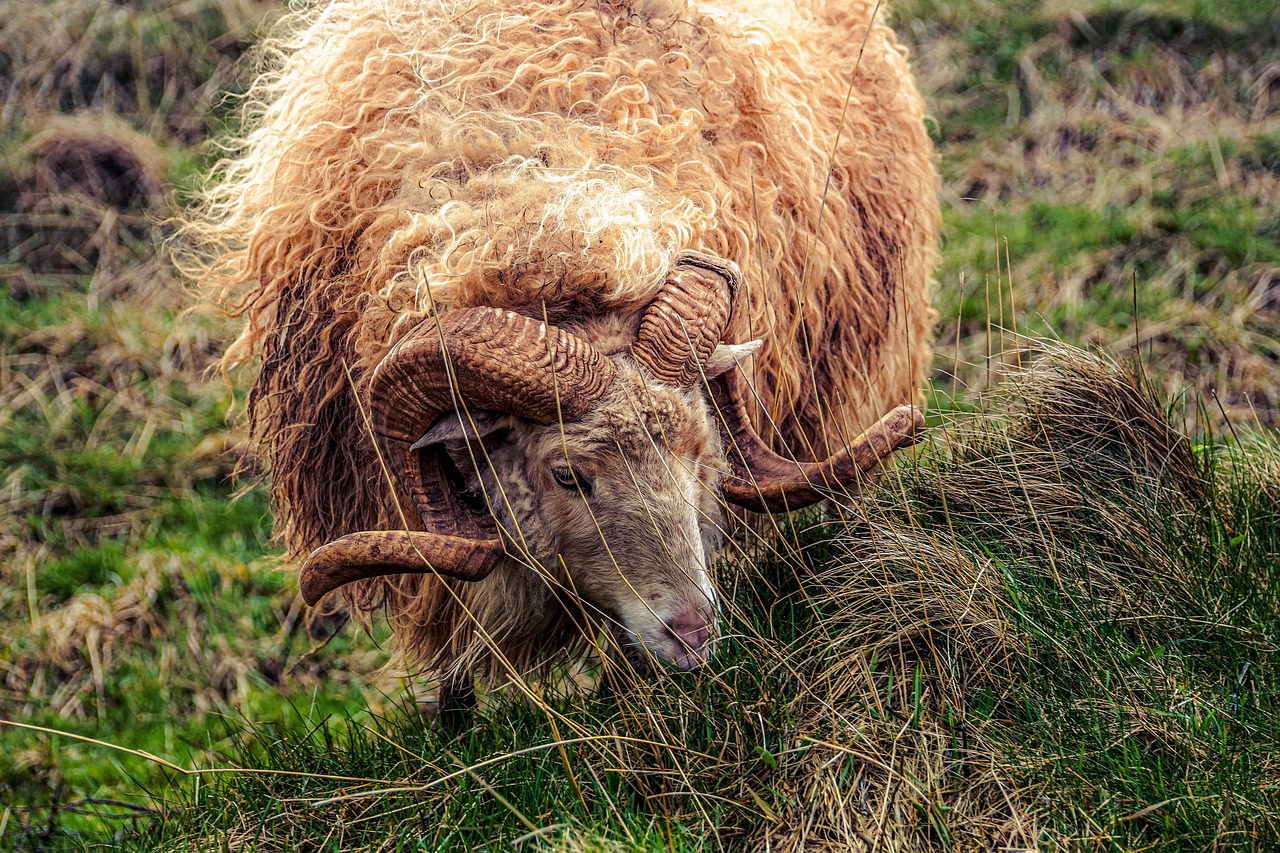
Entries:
{"x":1097,"y":157}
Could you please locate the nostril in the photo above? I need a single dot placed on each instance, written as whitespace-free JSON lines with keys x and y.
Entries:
{"x":691,"y":628}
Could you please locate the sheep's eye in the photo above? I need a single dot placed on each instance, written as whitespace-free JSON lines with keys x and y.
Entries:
{"x":572,"y":479}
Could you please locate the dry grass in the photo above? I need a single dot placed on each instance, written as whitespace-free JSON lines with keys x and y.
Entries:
{"x":135,"y":600}
{"x":1091,"y":151}
{"x":1032,"y":637}
{"x":91,"y":193}
{"x":160,"y":65}
{"x":101,"y":106}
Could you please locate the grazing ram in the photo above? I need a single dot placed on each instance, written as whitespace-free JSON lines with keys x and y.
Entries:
{"x":487,"y":252}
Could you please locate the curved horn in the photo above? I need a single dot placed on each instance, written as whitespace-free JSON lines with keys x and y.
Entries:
{"x":684,"y":322}
{"x":469,"y":359}
{"x":766,"y":482}
{"x":392,"y":552}
{"x":497,"y":360}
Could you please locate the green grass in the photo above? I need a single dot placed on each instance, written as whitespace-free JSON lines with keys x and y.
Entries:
{"x":1095,"y":663}
{"x":956,"y":670}
{"x":140,"y":601}
{"x":1114,"y":146}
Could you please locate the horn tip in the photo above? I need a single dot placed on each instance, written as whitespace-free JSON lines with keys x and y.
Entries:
{"x":904,"y":425}
{"x":312,"y":584}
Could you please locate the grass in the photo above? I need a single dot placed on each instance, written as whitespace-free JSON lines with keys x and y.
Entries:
{"x":1035,"y":635}
{"x":1101,"y":148}
{"x":1054,"y":628}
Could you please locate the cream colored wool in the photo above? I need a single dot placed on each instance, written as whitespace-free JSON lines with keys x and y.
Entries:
{"x":412,"y":154}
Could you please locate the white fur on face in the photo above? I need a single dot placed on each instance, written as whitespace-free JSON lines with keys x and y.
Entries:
{"x":634,"y":544}
{"x":681,"y":576}
{"x":632,"y":547}
{"x":693,"y":490}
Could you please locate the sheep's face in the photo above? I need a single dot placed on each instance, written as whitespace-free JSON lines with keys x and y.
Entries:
{"x":620,"y":509}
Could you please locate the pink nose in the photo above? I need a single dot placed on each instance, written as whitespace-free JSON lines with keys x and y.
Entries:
{"x":692,"y":632}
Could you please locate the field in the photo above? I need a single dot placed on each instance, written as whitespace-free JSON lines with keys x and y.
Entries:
{"x":1056,"y":627}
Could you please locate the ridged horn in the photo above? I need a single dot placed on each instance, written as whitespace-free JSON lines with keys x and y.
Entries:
{"x":496,"y":361}
{"x":766,"y":482}
{"x":684,"y":322}
{"x":357,"y":556}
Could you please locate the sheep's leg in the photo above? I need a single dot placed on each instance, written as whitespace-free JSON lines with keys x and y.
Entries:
{"x":457,"y":703}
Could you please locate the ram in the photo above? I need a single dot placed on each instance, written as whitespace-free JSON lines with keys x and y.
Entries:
{"x":487,"y":254}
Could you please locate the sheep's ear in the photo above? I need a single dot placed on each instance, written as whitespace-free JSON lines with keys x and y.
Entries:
{"x":728,"y":356}
{"x":465,"y":426}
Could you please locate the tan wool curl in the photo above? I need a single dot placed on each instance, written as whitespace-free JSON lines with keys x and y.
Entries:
{"x":402,"y":156}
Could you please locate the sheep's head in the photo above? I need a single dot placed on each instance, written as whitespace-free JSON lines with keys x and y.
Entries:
{"x":513,"y":439}
{"x":617,"y":510}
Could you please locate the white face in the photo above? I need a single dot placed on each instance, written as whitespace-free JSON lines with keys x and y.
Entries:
{"x":631,"y":492}
{"x":620,"y":507}
{"x":655,"y":581}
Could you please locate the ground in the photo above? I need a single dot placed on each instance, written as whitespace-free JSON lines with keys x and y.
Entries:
{"x":1112,"y":684}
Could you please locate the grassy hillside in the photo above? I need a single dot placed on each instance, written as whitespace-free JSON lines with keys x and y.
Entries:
{"x":1094,"y":151}
{"x":1038,"y":636}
